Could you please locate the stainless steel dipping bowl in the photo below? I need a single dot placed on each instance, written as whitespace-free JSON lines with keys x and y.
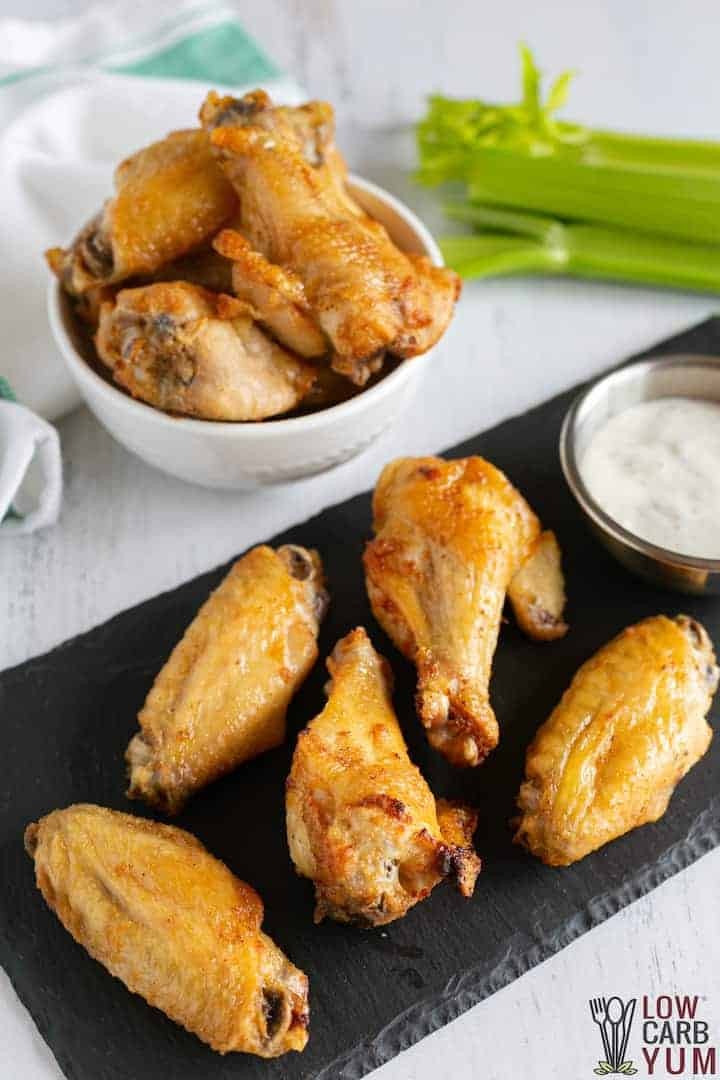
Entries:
{"x":663,"y":376}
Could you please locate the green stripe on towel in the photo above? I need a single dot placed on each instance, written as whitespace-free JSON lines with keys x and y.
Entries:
{"x":6,"y":390}
{"x":222,"y":54}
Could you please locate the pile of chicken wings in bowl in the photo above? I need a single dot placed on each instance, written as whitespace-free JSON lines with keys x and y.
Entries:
{"x":234,"y":275}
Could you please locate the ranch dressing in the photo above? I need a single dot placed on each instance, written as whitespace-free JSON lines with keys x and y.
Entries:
{"x":655,"y":469}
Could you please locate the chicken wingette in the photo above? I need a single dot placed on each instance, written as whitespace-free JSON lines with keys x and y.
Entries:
{"x":452,"y":538}
{"x":365,"y":295}
{"x":628,"y":728}
{"x":173,"y":924}
{"x":222,"y":696}
{"x":170,"y":198}
{"x":276,"y":295}
{"x":190,"y":351}
{"x":362,"y":822}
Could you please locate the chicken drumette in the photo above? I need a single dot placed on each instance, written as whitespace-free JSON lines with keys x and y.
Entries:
{"x":187,"y":350}
{"x":362,"y":822}
{"x":452,"y":538}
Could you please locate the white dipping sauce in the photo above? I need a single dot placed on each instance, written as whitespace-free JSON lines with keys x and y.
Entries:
{"x":655,"y":469}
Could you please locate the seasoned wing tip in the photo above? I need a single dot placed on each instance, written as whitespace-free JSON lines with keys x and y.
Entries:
{"x":451,"y":538}
{"x":458,"y":822}
{"x":190,"y":351}
{"x":629,"y":727}
{"x":362,"y":823}
{"x":537,"y":591}
{"x":173,"y":924}
{"x":222,"y":696}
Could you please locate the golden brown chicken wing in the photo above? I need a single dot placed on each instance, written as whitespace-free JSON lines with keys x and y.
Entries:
{"x":186,"y":350}
{"x":362,"y":823}
{"x":450,"y":537}
{"x":171,"y":922}
{"x":222,"y":696}
{"x":170,"y":197}
{"x":276,"y":295}
{"x":366,"y":296}
{"x":626,"y":731}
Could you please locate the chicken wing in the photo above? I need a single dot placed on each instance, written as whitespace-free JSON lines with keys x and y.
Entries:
{"x":366,"y":295}
{"x":186,"y":350}
{"x":173,"y":924}
{"x":276,"y":295}
{"x":450,"y":537}
{"x":629,"y":727}
{"x":170,"y":198}
{"x":361,"y":821}
{"x":222,"y":696}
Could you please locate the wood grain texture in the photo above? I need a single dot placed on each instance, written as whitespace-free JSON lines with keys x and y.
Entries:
{"x":127,"y":532}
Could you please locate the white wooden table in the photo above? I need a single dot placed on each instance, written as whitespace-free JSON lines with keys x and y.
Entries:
{"x":128,"y":532}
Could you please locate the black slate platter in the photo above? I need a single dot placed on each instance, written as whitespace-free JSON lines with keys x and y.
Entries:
{"x":67,"y":718}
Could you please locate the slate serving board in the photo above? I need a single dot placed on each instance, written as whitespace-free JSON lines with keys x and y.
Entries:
{"x":67,"y":718}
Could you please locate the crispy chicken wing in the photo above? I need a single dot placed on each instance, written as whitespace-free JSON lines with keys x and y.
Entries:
{"x":362,"y":822}
{"x":171,"y":922}
{"x":186,"y":350}
{"x":629,"y":727}
{"x":276,"y":295}
{"x":170,"y":198}
{"x":450,"y":537}
{"x":364,"y":293}
{"x":222,"y":696}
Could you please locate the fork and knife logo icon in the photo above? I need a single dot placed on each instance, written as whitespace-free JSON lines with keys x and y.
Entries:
{"x":614,"y":1017}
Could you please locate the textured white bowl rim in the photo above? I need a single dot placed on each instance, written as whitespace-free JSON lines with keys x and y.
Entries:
{"x":82,"y":371}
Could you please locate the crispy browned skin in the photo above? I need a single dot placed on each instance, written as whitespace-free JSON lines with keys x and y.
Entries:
{"x":362,"y":822}
{"x":222,"y":696}
{"x":186,"y":350}
{"x":629,"y":727}
{"x":172,"y":923}
{"x":450,"y":537}
{"x":170,"y":198}
{"x":537,"y":590}
{"x":366,"y":296}
{"x":276,"y":295}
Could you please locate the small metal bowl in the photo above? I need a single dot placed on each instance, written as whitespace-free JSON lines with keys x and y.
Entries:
{"x":663,"y":376}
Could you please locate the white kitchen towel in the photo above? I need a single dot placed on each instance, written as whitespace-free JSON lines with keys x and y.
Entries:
{"x":30,"y":468}
{"x":76,"y":97}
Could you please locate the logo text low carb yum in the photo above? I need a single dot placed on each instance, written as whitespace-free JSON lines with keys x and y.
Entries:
{"x":675,"y":1038}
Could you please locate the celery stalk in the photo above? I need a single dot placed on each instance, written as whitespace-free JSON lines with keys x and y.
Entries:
{"x":670,"y":203}
{"x":528,"y":243}
{"x":522,"y":156}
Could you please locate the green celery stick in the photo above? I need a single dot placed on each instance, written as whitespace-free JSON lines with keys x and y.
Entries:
{"x":522,"y":156}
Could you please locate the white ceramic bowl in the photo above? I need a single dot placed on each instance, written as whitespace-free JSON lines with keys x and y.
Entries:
{"x":242,"y":456}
